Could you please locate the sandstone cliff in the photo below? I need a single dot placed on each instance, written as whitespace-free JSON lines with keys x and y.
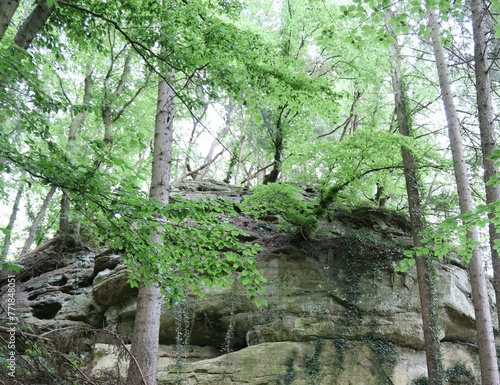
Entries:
{"x":337,"y":311}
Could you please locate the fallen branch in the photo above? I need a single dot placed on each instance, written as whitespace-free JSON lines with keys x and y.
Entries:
{"x":42,"y":247}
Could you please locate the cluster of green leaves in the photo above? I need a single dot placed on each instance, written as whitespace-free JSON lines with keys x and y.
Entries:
{"x":10,"y":266}
{"x":199,"y":247}
{"x":285,"y":200}
{"x":450,"y":236}
{"x":357,"y":163}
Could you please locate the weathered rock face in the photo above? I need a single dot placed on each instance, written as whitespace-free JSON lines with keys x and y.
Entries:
{"x":337,"y":312}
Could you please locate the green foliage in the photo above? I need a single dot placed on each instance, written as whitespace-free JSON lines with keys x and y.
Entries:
{"x":199,"y":249}
{"x":495,"y":156}
{"x":10,"y":266}
{"x":350,"y":168}
{"x":407,"y":262}
{"x":450,"y":237}
{"x":286,"y":201}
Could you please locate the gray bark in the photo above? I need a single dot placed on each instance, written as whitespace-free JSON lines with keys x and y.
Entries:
{"x":486,"y":127}
{"x":65,"y":230}
{"x":110,"y":97}
{"x":33,"y":24}
{"x":7,"y":10}
{"x":484,"y":326}
{"x":423,"y":263}
{"x":12,"y":220}
{"x":145,"y":339}
{"x":79,"y":119}
{"x":38,"y":219}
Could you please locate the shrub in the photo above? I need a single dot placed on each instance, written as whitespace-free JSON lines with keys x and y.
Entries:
{"x":286,"y":201}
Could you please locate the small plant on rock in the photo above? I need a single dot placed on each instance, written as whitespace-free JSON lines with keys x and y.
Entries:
{"x":286,"y":201}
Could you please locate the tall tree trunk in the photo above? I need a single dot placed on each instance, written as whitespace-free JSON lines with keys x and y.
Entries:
{"x":38,"y":219}
{"x":12,"y":220}
{"x":423,"y":263}
{"x":484,"y":326}
{"x":109,"y":98}
{"x":7,"y":10}
{"x":145,"y":339}
{"x":65,"y":230}
{"x":33,"y":24}
{"x":486,"y":127}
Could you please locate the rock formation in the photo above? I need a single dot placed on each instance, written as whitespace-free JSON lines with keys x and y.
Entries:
{"x":337,"y":311}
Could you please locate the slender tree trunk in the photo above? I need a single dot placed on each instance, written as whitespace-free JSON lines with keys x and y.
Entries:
{"x":109,"y":98}
{"x":38,"y":219}
{"x":484,"y":326}
{"x":236,"y":149}
{"x":65,"y":230}
{"x":79,"y":119}
{"x":277,"y":138}
{"x":145,"y":339}
{"x":215,"y":143}
{"x":12,"y":220}
{"x":486,"y":127}
{"x":33,"y":24}
{"x":195,"y":134}
{"x":7,"y":10}
{"x":423,"y":263}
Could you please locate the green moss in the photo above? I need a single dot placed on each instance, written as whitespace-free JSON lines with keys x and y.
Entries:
{"x":312,"y":365}
{"x":460,"y":374}
{"x":341,"y":344}
{"x":385,"y":357}
{"x":289,"y":375}
{"x":420,"y":381}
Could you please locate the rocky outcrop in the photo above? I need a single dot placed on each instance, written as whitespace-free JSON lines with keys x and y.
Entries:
{"x":337,"y":311}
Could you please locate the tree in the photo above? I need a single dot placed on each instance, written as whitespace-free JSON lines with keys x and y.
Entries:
{"x":145,"y":342}
{"x":34,"y":23}
{"x":484,"y":326}
{"x":312,"y":106}
{"x":12,"y":220}
{"x":66,"y":229}
{"x":423,"y":261}
{"x":36,"y":222}
{"x":487,"y":129}
{"x":7,"y":10}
